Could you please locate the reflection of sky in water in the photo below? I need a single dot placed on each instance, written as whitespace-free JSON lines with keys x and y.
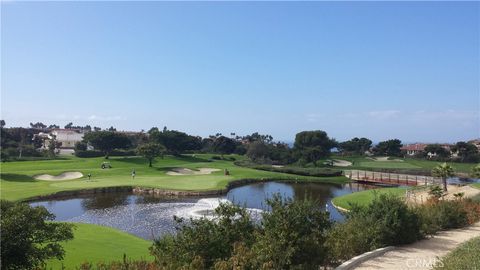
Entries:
{"x":148,"y":215}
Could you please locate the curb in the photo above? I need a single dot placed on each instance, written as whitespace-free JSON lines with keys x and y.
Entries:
{"x":341,"y":209}
{"x":355,"y":261}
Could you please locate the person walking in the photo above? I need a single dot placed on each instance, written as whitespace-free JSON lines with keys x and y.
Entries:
{"x":133,"y":174}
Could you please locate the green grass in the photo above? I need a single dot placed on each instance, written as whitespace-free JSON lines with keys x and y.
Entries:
{"x":466,"y":256}
{"x":95,"y":243}
{"x":476,"y":185}
{"x":363,"y":198}
{"x":360,"y":162}
{"x":17,"y":182}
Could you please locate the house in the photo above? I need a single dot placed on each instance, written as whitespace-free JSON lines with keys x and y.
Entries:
{"x":68,"y":137}
{"x":413,"y":149}
{"x":475,"y":142}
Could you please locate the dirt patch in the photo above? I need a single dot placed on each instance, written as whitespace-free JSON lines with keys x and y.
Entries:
{"x":60,"y":177}
{"x":421,"y":196}
{"x":186,"y":171}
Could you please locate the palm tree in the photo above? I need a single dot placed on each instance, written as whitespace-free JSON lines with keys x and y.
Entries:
{"x":443,"y":171}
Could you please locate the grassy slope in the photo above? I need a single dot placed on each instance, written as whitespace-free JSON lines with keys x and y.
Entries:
{"x":463,"y":257}
{"x":363,"y":198}
{"x":17,"y":182}
{"x":95,"y":243}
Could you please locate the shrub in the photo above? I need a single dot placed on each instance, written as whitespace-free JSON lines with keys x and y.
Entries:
{"x":292,"y":235}
{"x":443,"y":215}
{"x":315,"y":172}
{"x":28,"y":237}
{"x":203,"y":240}
{"x":88,"y":154}
{"x":353,"y":237}
{"x":122,"y":153}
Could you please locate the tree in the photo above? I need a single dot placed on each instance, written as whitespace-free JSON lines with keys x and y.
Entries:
{"x":443,"y":171}
{"x":437,"y":150}
{"x":52,"y":147}
{"x":176,"y":142}
{"x":38,"y":125}
{"x":224,"y":145}
{"x":69,"y":125}
{"x":2,"y":123}
{"x":106,"y":141}
{"x":112,"y":129}
{"x":467,"y":152}
{"x":356,"y":146}
{"x":29,"y":238}
{"x":257,"y":150}
{"x":150,"y":151}
{"x":388,"y":148}
{"x":53,"y":126}
{"x":313,"y":145}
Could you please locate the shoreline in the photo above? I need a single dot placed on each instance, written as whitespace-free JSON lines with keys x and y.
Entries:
{"x":168,"y":192}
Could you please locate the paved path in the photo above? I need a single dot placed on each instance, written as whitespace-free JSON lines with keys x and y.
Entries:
{"x":422,"y":254}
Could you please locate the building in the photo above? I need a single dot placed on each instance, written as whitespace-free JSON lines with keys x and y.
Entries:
{"x":475,"y":142}
{"x":68,"y":137}
{"x":413,"y":149}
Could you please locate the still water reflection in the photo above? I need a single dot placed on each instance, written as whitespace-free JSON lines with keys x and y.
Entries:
{"x":150,"y":216}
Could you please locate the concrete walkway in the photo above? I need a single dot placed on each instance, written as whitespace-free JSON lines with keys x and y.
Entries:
{"x":422,"y":254}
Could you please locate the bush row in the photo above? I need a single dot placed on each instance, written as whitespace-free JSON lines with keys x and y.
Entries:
{"x":96,"y":153}
{"x":318,"y":172}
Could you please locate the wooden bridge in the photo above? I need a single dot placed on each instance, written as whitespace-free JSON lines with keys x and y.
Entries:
{"x":390,"y":178}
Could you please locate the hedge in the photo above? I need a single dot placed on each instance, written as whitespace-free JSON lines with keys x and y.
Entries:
{"x":319,"y":172}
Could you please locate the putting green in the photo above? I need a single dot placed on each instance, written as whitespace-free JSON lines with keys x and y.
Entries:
{"x":363,"y":198}
{"x":95,"y":243}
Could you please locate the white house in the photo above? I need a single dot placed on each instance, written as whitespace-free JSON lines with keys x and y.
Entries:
{"x":68,"y":137}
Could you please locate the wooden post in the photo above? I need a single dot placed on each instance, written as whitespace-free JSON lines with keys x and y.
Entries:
{"x":398,"y":178}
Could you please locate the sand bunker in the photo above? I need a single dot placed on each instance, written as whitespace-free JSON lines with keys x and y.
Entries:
{"x":185,"y":171}
{"x":341,"y":163}
{"x":278,"y":166}
{"x":60,"y":177}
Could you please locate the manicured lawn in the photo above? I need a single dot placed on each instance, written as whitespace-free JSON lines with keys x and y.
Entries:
{"x":476,"y":185}
{"x":363,"y":198}
{"x":17,"y":181}
{"x":360,"y":162}
{"x":388,"y":165}
{"x":466,"y":256}
{"x":95,"y":243}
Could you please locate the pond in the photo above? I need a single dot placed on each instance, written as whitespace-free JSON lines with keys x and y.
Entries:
{"x":150,"y":216}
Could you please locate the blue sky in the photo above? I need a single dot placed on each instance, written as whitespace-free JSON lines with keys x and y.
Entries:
{"x":408,"y":70}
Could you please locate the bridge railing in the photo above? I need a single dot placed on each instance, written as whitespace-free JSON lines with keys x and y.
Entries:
{"x":391,"y":178}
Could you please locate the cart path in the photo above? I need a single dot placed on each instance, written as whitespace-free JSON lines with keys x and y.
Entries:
{"x":422,"y":254}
